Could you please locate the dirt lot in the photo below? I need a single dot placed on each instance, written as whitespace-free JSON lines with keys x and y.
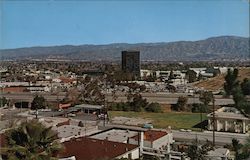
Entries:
{"x":216,"y":83}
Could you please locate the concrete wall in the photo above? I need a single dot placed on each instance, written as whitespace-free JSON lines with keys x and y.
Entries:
{"x":134,"y":154}
{"x":162,"y":142}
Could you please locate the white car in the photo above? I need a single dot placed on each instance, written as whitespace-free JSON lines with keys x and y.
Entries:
{"x":71,"y":115}
{"x":182,"y":130}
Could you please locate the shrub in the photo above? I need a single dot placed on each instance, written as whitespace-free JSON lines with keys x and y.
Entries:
{"x":153,"y":107}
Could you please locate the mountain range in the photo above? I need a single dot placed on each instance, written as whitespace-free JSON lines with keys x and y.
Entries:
{"x":215,"y":48}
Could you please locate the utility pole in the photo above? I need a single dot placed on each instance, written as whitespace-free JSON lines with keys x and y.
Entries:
{"x":213,"y":122}
{"x":105,"y":101}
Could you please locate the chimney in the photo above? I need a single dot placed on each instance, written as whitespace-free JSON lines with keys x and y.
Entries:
{"x":128,"y":140}
{"x":126,"y":149}
{"x":141,"y":137}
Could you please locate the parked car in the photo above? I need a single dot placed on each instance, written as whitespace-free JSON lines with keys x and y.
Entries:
{"x":148,"y":126}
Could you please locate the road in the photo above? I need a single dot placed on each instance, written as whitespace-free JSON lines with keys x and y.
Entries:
{"x":171,"y":98}
{"x":28,"y":97}
{"x":220,"y":138}
{"x":162,"y":98}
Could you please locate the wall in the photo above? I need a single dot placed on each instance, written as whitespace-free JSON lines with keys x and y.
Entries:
{"x":163,"y":141}
{"x":135,"y":154}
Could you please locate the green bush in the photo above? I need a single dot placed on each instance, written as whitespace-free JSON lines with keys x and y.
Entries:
{"x":153,"y":107}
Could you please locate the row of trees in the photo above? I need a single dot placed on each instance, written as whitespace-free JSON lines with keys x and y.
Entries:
{"x":138,"y":104}
{"x":205,"y":97}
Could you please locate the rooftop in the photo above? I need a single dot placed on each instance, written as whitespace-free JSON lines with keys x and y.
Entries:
{"x":53,"y":121}
{"x":66,"y":131}
{"x":92,"y":149}
{"x":115,"y":135}
{"x":88,"y":106}
{"x":229,"y":112}
{"x":152,"y":135}
{"x":219,"y":152}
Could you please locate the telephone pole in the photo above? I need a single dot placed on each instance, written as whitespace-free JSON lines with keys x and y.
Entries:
{"x":213,"y":122}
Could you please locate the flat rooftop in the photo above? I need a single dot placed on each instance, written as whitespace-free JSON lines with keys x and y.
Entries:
{"x":115,"y":135}
{"x":229,"y":113}
{"x":66,"y":131}
{"x":152,"y":135}
{"x":88,"y":106}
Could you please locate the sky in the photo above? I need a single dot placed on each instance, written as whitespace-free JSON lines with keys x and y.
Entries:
{"x":68,"y":22}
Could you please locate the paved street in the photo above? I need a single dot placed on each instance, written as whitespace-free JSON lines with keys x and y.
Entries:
{"x":171,"y":99}
{"x":220,"y":138}
{"x":162,"y":98}
{"x":28,"y":97}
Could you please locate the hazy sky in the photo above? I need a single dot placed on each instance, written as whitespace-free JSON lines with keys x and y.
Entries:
{"x":58,"y":22}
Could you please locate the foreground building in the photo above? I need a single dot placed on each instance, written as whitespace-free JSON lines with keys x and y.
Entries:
{"x":95,"y":149}
{"x":229,"y":119}
{"x":155,"y":139}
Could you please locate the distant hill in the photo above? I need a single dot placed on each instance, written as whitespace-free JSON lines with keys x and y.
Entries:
{"x":216,"y":48}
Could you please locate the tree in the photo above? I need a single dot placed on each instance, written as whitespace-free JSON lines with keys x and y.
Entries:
{"x":181,"y":104}
{"x":241,"y":151}
{"x":3,"y":101}
{"x":153,"y":107}
{"x":80,"y":124}
{"x":39,"y":102}
{"x":231,"y":81}
{"x":238,"y":97}
{"x":236,"y":146}
{"x":196,"y":152}
{"x":246,"y":148}
{"x":31,"y":140}
{"x":206,"y":97}
{"x":138,"y":103}
{"x":245,"y":86}
{"x":72,"y":96}
{"x":91,"y":92}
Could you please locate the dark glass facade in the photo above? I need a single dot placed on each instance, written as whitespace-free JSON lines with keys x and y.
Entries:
{"x":131,"y":63}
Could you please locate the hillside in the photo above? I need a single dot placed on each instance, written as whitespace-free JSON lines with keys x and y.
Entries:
{"x":217,"y":48}
{"x":216,"y":83}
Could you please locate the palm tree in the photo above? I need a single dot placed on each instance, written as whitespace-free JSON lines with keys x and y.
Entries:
{"x":31,"y":141}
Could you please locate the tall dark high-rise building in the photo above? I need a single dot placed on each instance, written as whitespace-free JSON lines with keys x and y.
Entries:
{"x":131,"y":63}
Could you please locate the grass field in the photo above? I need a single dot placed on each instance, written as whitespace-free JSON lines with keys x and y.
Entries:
{"x":176,"y":120}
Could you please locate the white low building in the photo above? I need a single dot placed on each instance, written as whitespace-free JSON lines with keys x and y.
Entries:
{"x":229,"y":119}
{"x":155,"y":139}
